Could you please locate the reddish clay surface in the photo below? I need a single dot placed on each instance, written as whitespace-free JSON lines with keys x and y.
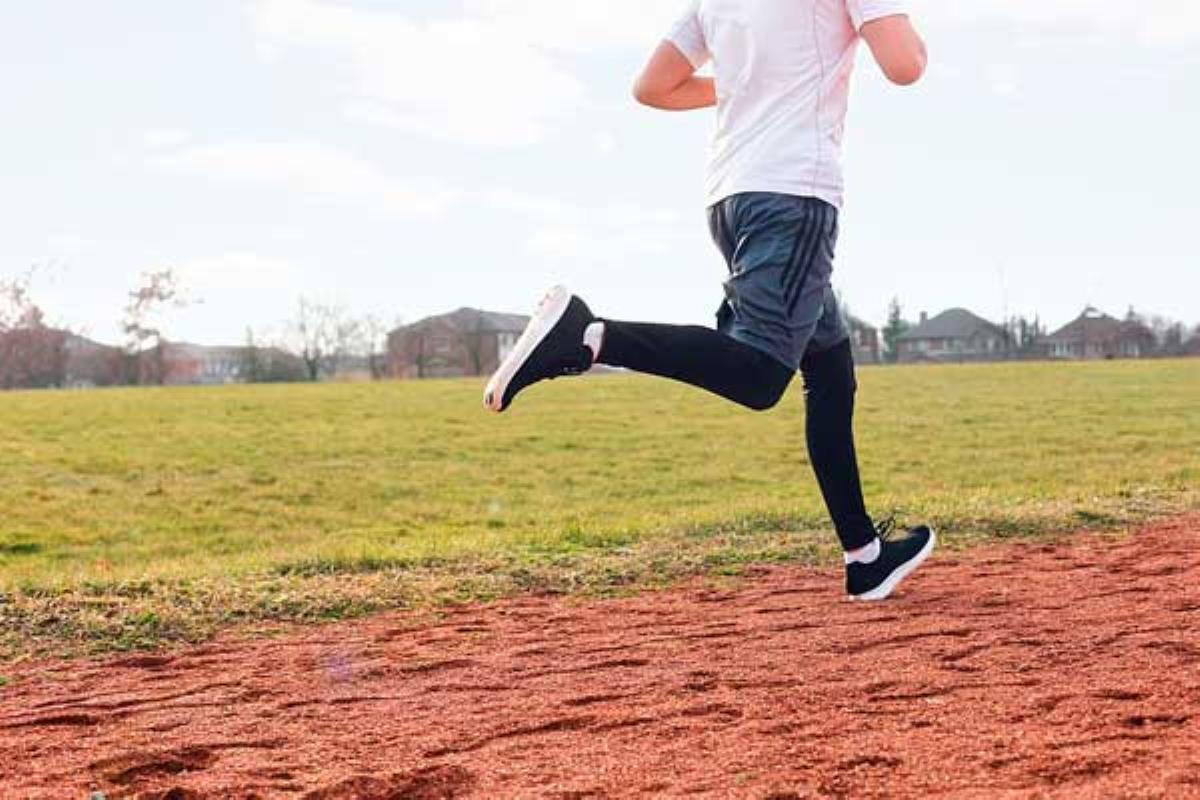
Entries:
{"x":1065,"y":670}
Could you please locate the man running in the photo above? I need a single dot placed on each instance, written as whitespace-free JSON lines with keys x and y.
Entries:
{"x":780,"y":86}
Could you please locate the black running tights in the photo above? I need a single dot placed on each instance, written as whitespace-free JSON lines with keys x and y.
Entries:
{"x":710,"y":360}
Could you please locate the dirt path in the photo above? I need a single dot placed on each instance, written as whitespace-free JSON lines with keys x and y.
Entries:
{"x":1067,"y":670}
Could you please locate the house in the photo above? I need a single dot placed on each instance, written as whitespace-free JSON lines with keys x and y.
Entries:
{"x":1094,"y":334}
{"x":864,"y":337}
{"x":953,"y":335}
{"x":32,"y":356}
{"x":91,"y":363}
{"x":196,"y":364}
{"x":186,"y":364}
{"x":464,"y":342}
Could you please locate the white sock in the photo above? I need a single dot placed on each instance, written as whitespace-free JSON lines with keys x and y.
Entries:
{"x":593,"y":337}
{"x":865,"y":555}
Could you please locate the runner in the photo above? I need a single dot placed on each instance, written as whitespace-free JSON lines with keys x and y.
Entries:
{"x":780,"y":87}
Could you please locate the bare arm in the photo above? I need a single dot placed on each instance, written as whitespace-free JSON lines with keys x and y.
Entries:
{"x":897,"y":48}
{"x":669,"y":82}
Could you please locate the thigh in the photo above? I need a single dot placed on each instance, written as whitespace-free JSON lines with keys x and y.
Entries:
{"x":781,"y":264}
{"x":831,"y":328}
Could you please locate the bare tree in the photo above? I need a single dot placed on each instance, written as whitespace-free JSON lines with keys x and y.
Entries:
{"x":422,"y":353}
{"x":251,"y":366}
{"x":1169,"y":334}
{"x":263,"y":359}
{"x":375,"y":344}
{"x":348,"y":339}
{"x":325,"y":336}
{"x":145,"y":345}
{"x":312,"y":339}
{"x":1024,"y":335}
{"x":33,"y":354}
{"x":1172,"y":343}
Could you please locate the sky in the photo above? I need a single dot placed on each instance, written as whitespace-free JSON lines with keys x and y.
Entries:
{"x":408,"y":157}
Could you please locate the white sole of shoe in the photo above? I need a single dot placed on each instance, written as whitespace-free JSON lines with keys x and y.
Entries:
{"x":548,"y":313}
{"x":885,"y":589}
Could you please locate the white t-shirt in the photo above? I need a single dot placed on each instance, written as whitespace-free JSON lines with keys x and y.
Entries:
{"x":782,"y":70}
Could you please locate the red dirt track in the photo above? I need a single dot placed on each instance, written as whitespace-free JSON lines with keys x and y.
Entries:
{"x":1044,"y":670}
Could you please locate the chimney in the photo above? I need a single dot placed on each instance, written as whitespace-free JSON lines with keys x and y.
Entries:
{"x":924,"y":318}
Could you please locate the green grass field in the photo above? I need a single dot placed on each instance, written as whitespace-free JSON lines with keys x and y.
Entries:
{"x":134,"y":517}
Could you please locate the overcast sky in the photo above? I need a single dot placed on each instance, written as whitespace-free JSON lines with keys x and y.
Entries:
{"x":406,"y":157}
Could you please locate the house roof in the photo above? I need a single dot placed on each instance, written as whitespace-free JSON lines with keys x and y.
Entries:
{"x":1095,"y":326}
{"x":476,"y":320}
{"x":954,"y":323}
{"x":192,"y":350}
{"x":82,"y":344}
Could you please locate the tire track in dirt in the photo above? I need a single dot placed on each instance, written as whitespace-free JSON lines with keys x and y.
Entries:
{"x":1069,"y":669}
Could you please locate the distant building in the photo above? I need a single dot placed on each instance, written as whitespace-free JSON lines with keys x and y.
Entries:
{"x":1094,"y":335}
{"x":91,"y":363}
{"x":1191,"y":347}
{"x":197,"y":364}
{"x":186,"y":364}
{"x":864,"y":337}
{"x":464,"y":342}
{"x":32,"y":356}
{"x":953,"y":335}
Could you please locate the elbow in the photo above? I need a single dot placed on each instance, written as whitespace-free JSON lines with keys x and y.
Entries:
{"x":907,"y":71}
{"x":910,"y":67}
{"x":906,"y":74}
{"x":645,"y":95}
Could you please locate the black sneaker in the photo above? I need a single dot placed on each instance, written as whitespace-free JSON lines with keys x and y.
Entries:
{"x":551,"y":346}
{"x":897,"y":559}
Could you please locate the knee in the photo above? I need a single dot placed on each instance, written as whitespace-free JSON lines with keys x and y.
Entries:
{"x":771,"y":389}
{"x":764,"y":401}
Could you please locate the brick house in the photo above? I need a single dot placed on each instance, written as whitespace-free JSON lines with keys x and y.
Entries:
{"x":196,"y":364}
{"x":462,"y":343}
{"x":864,"y":337}
{"x":953,"y":335}
{"x":1095,"y":335}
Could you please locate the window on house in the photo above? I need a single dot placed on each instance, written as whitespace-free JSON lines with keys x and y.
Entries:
{"x":504,"y":344}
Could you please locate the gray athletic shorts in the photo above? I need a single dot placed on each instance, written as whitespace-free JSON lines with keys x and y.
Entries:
{"x":778,"y":297}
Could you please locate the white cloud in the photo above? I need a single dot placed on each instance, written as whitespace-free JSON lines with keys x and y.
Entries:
{"x":602,"y":235}
{"x":555,"y":211}
{"x":460,"y":78}
{"x":165,"y":137}
{"x":562,"y":230}
{"x":579,"y":26}
{"x":67,"y":245}
{"x":314,"y":169}
{"x":236,"y":271}
{"x":1149,"y":22}
{"x":506,"y":73}
{"x":1004,"y":79}
{"x":596,"y":244}
{"x":605,"y":142}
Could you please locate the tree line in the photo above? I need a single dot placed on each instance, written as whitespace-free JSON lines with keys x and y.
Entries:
{"x":1023,"y":335}
{"x":320,"y":341}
